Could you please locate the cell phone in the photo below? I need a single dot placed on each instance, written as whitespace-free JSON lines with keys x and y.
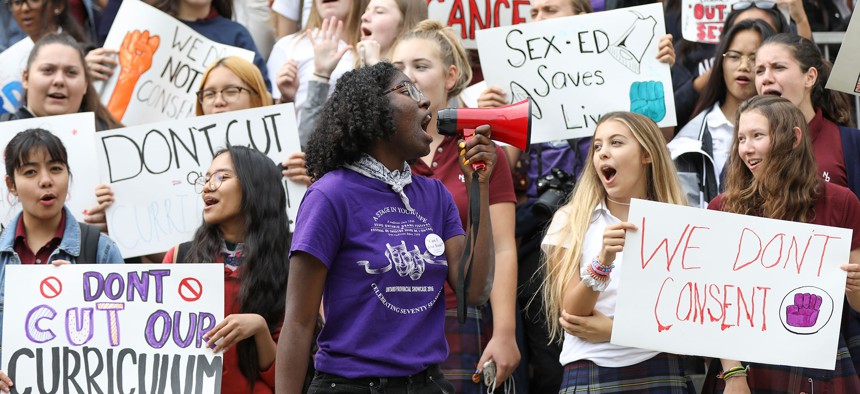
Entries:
{"x":490,"y":374}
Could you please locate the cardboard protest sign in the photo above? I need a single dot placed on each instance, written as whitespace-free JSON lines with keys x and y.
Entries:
{"x":703,"y":20}
{"x":845,"y":76}
{"x":77,"y":131}
{"x":161,"y":62}
{"x":13,"y":61}
{"x":723,"y":285}
{"x":577,"y":68}
{"x":96,"y":327}
{"x":152,"y":170}
{"x":468,"y":16}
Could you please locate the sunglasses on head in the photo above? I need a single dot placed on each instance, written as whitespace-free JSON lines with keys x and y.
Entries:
{"x":761,"y":4}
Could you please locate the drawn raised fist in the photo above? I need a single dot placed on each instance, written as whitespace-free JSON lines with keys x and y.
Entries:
{"x":646,"y":98}
{"x":135,"y":55}
{"x":804,"y":312}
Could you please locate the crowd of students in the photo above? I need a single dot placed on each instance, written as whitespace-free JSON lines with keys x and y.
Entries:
{"x":394,"y":204}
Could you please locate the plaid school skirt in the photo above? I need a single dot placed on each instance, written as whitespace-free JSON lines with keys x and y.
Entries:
{"x":466,"y":343}
{"x":779,"y":379}
{"x":662,"y":374}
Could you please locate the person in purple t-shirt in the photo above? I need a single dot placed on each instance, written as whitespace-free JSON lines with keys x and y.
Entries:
{"x":374,"y":244}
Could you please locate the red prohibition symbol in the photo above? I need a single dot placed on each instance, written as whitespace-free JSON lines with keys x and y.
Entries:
{"x":190,"y":289}
{"x":50,"y":287}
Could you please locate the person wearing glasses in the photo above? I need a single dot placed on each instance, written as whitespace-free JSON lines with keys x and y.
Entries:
{"x":376,"y":244}
{"x":695,"y":60}
{"x":40,"y":17}
{"x":232,"y":84}
{"x":245,"y":228}
{"x":46,"y":231}
{"x":432,"y":56}
{"x":702,"y":147}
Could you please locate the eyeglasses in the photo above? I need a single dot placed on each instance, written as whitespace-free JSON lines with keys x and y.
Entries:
{"x":761,"y":4}
{"x":213,"y":181}
{"x":20,"y":3}
{"x":229,"y":94}
{"x":734,"y":59}
{"x":410,"y":88}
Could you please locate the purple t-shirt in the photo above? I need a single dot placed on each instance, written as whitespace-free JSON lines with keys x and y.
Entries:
{"x":386,"y":265}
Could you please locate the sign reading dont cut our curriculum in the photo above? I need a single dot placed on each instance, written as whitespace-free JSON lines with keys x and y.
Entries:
{"x":105,"y":328}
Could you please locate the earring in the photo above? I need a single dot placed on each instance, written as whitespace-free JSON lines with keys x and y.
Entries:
{"x":56,"y":12}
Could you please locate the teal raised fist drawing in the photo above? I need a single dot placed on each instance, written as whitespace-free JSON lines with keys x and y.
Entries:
{"x":646,"y":98}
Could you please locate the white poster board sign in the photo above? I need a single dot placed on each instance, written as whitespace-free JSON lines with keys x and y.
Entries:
{"x":152,"y":169}
{"x":468,"y":16}
{"x":845,"y":76}
{"x":77,"y":131}
{"x":94,"y":327}
{"x":577,"y":68}
{"x":723,"y":285}
{"x":161,"y":62}
{"x":703,"y":20}
{"x":13,"y":61}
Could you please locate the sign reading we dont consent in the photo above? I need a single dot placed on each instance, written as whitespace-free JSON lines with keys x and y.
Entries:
{"x":723,"y":285}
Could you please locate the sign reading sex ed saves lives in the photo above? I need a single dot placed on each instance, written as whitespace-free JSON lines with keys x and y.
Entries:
{"x":716,"y":284}
{"x":105,"y":328}
{"x":577,"y":68}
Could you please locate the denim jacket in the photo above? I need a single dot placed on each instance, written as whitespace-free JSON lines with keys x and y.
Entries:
{"x":69,"y":249}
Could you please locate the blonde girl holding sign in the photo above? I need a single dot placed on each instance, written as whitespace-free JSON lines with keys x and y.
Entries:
{"x":628,"y":159}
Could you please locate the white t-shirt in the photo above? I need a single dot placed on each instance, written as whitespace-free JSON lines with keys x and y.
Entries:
{"x":290,"y":9}
{"x":574,"y":349}
{"x":298,"y":47}
{"x":722,"y":132}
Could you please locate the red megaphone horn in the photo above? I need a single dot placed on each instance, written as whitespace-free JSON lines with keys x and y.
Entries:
{"x":511,"y":124}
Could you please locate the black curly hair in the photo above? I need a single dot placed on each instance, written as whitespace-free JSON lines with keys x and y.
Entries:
{"x":353,"y":119}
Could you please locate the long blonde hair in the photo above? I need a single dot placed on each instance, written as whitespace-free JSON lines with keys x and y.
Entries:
{"x":561,"y":264}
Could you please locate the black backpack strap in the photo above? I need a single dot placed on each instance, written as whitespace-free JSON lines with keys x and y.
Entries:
{"x":89,"y":244}
{"x":182,"y":252}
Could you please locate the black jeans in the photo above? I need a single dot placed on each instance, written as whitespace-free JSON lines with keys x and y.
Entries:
{"x":429,"y":381}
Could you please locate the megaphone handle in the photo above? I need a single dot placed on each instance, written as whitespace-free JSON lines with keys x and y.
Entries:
{"x":468,"y":134}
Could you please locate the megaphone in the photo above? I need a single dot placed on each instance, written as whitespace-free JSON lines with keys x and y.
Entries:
{"x":511,"y":124}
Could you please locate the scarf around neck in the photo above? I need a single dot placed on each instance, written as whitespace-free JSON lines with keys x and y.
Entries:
{"x":397,"y":179}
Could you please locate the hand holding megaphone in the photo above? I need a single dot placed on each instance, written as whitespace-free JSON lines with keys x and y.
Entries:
{"x":477,"y":153}
{"x":511,"y":124}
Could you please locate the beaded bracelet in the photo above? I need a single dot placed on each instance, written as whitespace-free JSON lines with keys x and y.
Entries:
{"x":733,"y":372}
{"x":596,"y":275}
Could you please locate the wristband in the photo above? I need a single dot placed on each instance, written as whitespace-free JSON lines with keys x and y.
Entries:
{"x":326,"y":77}
{"x":734,"y":372}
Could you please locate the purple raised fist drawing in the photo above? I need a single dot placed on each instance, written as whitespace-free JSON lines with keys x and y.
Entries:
{"x":804,"y":312}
